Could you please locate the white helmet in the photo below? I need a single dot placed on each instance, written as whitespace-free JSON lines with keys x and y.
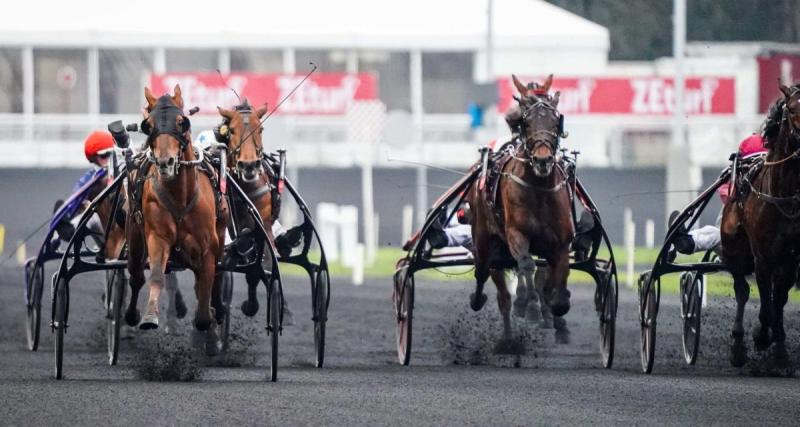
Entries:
{"x":205,"y":139}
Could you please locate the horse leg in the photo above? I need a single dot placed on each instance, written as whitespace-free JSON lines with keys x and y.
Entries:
{"x":132,"y":315}
{"x":738,"y":348}
{"x":540,"y":281}
{"x":523,"y":295}
{"x":557,"y":284}
{"x":203,"y":287}
{"x":783,"y":281}
{"x":761,"y":332}
{"x":250,"y":305}
{"x":159,"y":253}
{"x":216,"y":297}
{"x":478,"y":299}
{"x":506,"y":344}
{"x":174,"y":298}
{"x":533,"y":313}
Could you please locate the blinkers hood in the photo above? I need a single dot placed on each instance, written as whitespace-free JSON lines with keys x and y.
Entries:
{"x":166,"y":114}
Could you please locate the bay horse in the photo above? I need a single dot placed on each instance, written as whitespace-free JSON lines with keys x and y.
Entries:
{"x":532,"y":214}
{"x":241,"y":130}
{"x":179,"y":217}
{"x":761,"y":233}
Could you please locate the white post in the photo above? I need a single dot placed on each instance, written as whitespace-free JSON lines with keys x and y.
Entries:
{"x":358,"y":265}
{"x":489,"y":42}
{"x":224,"y":61}
{"x":417,"y":112}
{"x":28,"y":99}
{"x":368,"y":203}
{"x":328,"y":227}
{"x":680,"y":171}
{"x":93,"y":79}
{"x":408,"y":223}
{"x":348,"y":235}
{"x":159,"y":60}
{"x":650,"y":233}
{"x":630,"y":245}
{"x":21,"y":252}
{"x":289,"y":66}
{"x":351,"y":64}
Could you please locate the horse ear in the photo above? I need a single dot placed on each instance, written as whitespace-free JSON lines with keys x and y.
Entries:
{"x":261,"y":111}
{"x":228,"y":114}
{"x":554,"y":102}
{"x":547,"y":83}
{"x":787,"y":92}
{"x":520,"y":87}
{"x":151,"y":100}
{"x":177,"y":97}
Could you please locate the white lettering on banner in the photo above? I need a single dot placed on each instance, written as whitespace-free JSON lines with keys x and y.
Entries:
{"x":196,"y":93}
{"x":310,"y":97}
{"x":656,"y":96}
{"x":577,"y":99}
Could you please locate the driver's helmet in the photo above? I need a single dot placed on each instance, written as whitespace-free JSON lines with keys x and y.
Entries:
{"x":204,"y":139}
{"x":98,"y":143}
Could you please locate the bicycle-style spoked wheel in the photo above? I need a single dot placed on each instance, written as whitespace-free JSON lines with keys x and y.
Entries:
{"x":404,"y":309}
{"x":691,"y":309}
{"x":321,"y":292}
{"x":648,"y":306}
{"x":59,"y":324}
{"x":34,"y":282}
{"x":116,"y":297}
{"x":275,"y":307}
{"x":608,"y":319}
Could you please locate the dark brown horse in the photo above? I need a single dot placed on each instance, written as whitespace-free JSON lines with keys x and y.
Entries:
{"x":242,"y":134}
{"x":762,"y":232}
{"x":180,"y":217}
{"x":531,"y":215}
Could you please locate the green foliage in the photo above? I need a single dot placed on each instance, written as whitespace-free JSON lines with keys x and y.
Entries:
{"x":642,"y":29}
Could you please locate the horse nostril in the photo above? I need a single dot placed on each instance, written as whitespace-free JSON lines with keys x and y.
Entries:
{"x":171,"y":161}
{"x":240,"y":165}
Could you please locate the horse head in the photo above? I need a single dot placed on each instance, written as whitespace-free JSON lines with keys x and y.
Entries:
{"x":791,"y":114}
{"x":167,"y":130}
{"x":242,"y":134}
{"x":541,"y":125}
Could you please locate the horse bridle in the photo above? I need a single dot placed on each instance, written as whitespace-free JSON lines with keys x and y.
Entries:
{"x":166,"y":116}
{"x":245,"y":111}
{"x":794,"y":134}
{"x":539,"y":137}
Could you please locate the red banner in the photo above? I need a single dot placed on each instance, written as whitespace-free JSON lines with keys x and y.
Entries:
{"x":771,"y":69}
{"x":633,"y":95}
{"x":322,"y":93}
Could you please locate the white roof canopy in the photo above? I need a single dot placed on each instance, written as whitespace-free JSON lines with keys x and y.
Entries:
{"x":362,"y":24}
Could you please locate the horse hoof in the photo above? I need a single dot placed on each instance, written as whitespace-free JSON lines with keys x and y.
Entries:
{"x":213,"y":346}
{"x":779,"y":354}
{"x":562,"y":336}
{"x":547,"y":323}
{"x":149,"y":321}
{"x":509,"y":346}
{"x":132,"y":318}
{"x":520,"y":305}
{"x":477,"y":301}
{"x":250,"y":308}
{"x":172,"y":327}
{"x":738,"y":355}
{"x":560,"y":309}
{"x":761,"y":338}
{"x":533,"y":313}
{"x":202,"y":325}
{"x":180,"y":306}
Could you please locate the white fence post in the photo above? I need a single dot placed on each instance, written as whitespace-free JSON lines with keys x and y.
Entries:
{"x":650,"y":233}
{"x":358,"y":264}
{"x":630,"y":245}
{"x":328,"y":227}
{"x":348,"y":235}
{"x":408,"y":223}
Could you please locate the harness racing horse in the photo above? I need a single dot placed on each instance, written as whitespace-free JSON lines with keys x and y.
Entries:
{"x":531,"y":216}
{"x":180,"y":217}
{"x":241,"y":131}
{"x":761,"y":232}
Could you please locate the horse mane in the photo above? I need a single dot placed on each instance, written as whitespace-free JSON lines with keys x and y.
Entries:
{"x":772,"y":124}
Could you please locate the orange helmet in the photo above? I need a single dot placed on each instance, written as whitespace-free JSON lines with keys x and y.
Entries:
{"x":97,"y":143}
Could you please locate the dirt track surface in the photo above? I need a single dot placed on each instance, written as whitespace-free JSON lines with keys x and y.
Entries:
{"x":454,"y":377}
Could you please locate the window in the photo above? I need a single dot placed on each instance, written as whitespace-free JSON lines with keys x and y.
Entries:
{"x":123,"y":74}
{"x":259,"y":61}
{"x":392,"y":71}
{"x":446,"y":82}
{"x":60,"y":83}
{"x":10,"y":81}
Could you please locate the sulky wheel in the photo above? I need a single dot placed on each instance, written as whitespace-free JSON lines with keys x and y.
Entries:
{"x":34,"y":281}
{"x":608,"y":318}
{"x":227,"y":296}
{"x":648,"y":311}
{"x":116,"y":296}
{"x":404,"y":308}
{"x":59,"y":324}
{"x":275,"y":307}
{"x":691,"y":306}
{"x":320,"y":298}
